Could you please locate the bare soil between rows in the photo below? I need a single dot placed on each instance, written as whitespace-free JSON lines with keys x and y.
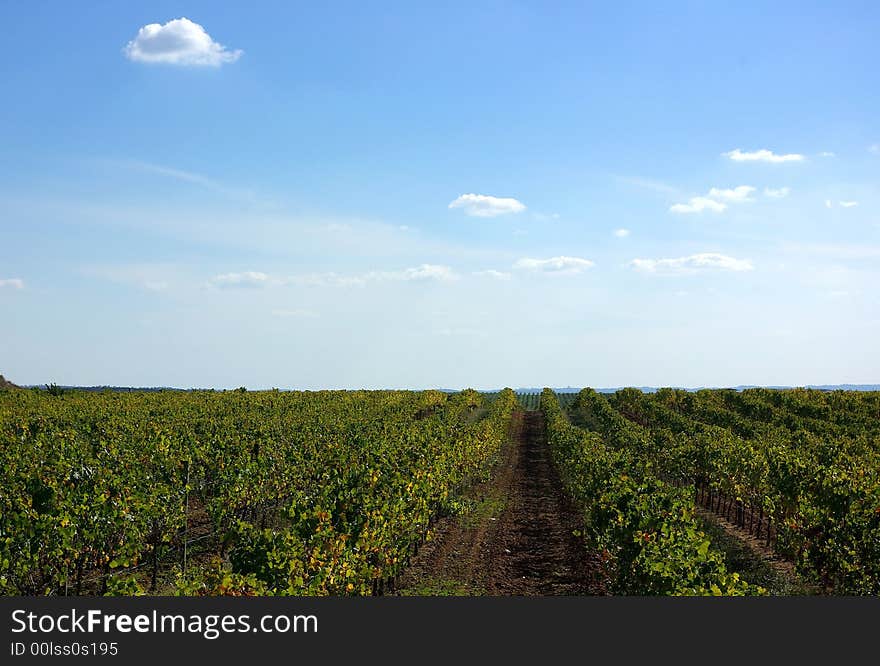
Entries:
{"x":518,"y":539}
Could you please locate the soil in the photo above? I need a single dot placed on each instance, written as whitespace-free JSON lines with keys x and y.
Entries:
{"x":751,"y":557}
{"x":518,"y":538}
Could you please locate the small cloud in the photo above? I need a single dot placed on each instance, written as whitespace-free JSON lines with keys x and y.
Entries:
{"x":483,"y":205}
{"x":423,"y":272}
{"x":621,"y":233}
{"x":324,"y":280}
{"x":415,"y":274}
{"x":848,"y":204}
{"x":716,"y":200}
{"x":178,"y":42}
{"x":779,"y":193}
{"x":692,"y":264}
{"x":762,"y":155}
{"x":874,"y":148}
{"x":492,"y":273}
{"x":245,"y":280}
{"x":736,"y":195}
{"x":404,"y":227}
{"x":698,"y":205}
{"x":827,"y":153}
{"x":555,"y":265}
{"x":12,"y":283}
{"x":295,"y":314}
{"x":828,"y":203}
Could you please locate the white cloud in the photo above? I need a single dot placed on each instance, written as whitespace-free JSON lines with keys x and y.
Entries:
{"x":698,"y":205}
{"x":779,"y":193}
{"x":151,"y":277}
{"x":736,"y":195}
{"x":483,"y":205}
{"x":716,"y":200}
{"x":621,"y":233}
{"x":828,"y":203}
{"x":848,"y":204}
{"x":414,"y":274}
{"x":492,"y":273}
{"x":423,"y":272}
{"x":827,"y":153}
{"x":178,"y":42}
{"x":324,"y":280}
{"x":295,"y":314}
{"x":692,"y":264}
{"x":14,"y":283}
{"x":762,"y":155}
{"x":255,"y":279}
{"x":247,"y":279}
{"x":556,"y":265}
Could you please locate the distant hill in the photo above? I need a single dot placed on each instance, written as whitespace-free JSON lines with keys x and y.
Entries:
{"x":654,"y":389}
{"x":5,"y":383}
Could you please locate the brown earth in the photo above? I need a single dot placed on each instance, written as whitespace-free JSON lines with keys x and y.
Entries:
{"x":518,"y":537}
{"x":5,"y":383}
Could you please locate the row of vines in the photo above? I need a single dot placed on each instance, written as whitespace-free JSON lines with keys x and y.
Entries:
{"x":308,"y":493}
{"x":644,"y":527}
{"x":807,"y":460}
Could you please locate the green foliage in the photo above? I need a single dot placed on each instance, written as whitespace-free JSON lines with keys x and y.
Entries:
{"x":810,"y":460}
{"x":645,"y":528}
{"x":324,"y":492}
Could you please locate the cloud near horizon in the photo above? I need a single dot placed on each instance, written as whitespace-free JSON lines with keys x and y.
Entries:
{"x":762,"y":155}
{"x":736,"y":194}
{"x":258,"y":280}
{"x":178,"y":42}
{"x":716,"y":200}
{"x":14,"y":283}
{"x":691,"y":264}
{"x":484,"y":205}
{"x":245,"y":280}
{"x":492,"y":273}
{"x":698,"y":205}
{"x":555,"y":265}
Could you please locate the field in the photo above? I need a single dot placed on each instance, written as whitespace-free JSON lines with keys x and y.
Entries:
{"x":716,"y":492}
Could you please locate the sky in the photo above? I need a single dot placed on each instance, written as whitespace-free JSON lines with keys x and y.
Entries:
{"x":414,"y":195}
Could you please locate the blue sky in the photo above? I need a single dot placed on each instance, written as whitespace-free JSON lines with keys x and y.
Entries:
{"x":403,"y":195}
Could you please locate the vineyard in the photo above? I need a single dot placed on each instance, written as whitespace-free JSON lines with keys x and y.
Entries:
{"x":291,"y":493}
{"x":336,"y":492}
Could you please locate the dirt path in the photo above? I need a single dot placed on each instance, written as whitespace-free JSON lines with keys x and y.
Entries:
{"x":517,"y":538}
{"x":752,"y":558}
